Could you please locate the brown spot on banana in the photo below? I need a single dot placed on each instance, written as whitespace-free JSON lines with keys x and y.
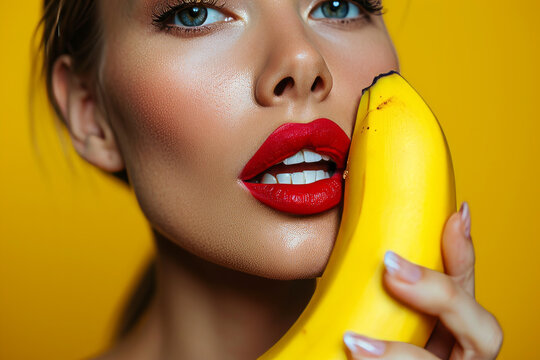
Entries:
{"x":384,"y":103}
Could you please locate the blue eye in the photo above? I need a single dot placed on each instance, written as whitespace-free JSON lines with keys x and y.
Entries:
{"x":197,"y":16}
{"x":336,"y":9}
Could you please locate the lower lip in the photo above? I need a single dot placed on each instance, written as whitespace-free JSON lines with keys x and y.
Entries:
{"x":304,"y":199}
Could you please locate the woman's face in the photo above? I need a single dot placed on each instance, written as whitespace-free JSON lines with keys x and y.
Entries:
{"x":192,"y":99}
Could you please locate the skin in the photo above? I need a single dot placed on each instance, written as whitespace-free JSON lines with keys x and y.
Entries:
{"x":233,"y":274}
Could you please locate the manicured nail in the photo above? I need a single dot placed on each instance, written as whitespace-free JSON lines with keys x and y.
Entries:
{"x":363,"y":345}
{"x":466,"y":218}
{"x":398,"y":266}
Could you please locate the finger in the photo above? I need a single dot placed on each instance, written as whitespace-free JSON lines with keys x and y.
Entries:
{"x":441,"y":341}
{"x":437,"y":294}
{"x":457,"y":248}
{"x":362,"y":347}
{"x":458,"y":255}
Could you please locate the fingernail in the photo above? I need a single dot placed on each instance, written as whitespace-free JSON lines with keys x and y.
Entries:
{"x":398,"y":266}
{"x":363,"y":345}
{"x":466,"y":218}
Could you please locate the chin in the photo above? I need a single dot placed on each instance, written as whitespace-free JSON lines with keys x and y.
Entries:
{"x":303,"y":263}
{"x":254,"y":240}
{"x":302,"y":252}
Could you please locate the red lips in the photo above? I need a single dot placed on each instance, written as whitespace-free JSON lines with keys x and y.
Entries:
{"x":322,"y":136}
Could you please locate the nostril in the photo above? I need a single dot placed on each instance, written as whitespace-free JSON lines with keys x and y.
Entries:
{"x":316,"y":83}
{"x":282,"y":85}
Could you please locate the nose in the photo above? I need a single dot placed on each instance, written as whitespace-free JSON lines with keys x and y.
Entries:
{"x":295,"y":70}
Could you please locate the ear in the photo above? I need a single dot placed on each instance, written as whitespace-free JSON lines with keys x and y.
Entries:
{"x":89,"y":130}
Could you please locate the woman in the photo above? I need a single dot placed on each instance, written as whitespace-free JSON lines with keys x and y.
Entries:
{"x":182,"y":95}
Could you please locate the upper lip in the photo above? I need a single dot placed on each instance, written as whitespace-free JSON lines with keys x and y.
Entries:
{"x":321,"y":135}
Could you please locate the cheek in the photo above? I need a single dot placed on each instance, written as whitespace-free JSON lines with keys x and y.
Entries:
{"x":354,"y":60}
{"x":156,"y":109}
{"x":158,"y":105}
{"x":361,"y":59}
{"x":166,"y":108}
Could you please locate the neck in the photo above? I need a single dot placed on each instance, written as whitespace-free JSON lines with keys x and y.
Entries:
{"x":205,"y":311}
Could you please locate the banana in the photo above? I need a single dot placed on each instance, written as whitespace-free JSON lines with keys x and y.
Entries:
{"x":399,"y":193}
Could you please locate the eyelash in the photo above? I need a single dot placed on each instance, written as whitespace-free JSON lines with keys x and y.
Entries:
{"x":166,"y":11}
{"x":373,"y":7}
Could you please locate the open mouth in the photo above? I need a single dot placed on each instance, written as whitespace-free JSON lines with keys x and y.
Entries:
{"x":304,"y":167}
{"x":298,"y":169}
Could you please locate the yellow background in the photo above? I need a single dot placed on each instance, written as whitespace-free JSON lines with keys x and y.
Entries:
{"x":72,"y":241}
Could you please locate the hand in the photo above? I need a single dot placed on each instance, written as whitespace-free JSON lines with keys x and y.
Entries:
{"x":464,"y":330}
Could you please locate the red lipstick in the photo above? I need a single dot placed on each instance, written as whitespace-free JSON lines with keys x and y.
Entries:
{"x":322,"y":136}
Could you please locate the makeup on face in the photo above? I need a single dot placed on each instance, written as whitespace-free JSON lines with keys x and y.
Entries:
{"x":299,"y":168}
{"x":235,"y":133}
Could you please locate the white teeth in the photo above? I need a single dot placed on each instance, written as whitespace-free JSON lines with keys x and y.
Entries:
{"x":320,"y":175}
{"x":268,"y":179}
{"x":298,"y":178}
{"x":305,"y":177}
{"x":295,"y":159}
{"x":310,"y":156}
{"x":284,"y":178}
{"x":305,"y":156}
{"x":311,"y":176}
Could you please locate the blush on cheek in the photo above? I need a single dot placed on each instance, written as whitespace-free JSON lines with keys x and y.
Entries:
{"x":155,"y":110}
{"x":175,"y":104}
